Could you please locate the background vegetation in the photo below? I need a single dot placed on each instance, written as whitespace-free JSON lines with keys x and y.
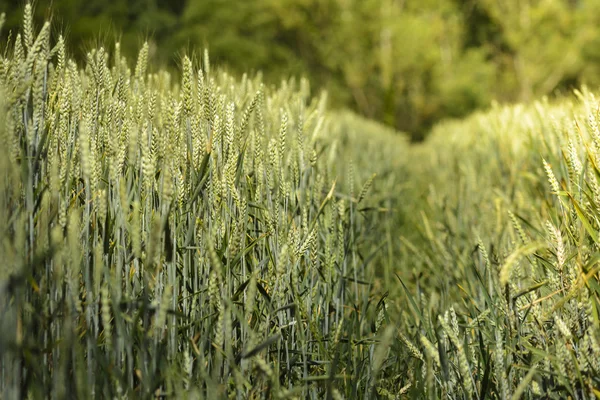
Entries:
{"x":408,"y":64}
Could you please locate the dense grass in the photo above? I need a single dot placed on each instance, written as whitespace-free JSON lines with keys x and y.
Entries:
{"x":168,"y":238}
{"x":499,"y":249}
{"x":215,"y":238}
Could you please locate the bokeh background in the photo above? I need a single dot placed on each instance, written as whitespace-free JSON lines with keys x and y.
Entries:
{"x":408,"y":63}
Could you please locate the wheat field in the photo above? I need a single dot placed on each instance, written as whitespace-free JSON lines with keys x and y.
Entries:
{"x":211,"y":236}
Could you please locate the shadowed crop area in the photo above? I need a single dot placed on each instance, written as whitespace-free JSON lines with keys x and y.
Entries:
{"x":205,"y":234}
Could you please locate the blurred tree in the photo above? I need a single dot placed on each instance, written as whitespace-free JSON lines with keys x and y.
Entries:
{"x":543,"y":43}
{"x":408,"y":63}
{"x":92,"y":23}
